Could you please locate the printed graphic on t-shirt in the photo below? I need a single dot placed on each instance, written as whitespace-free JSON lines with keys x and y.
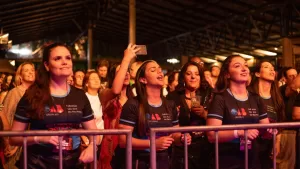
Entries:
{"x":73,"y":109}
{"x":54,"y":110}
{"x":253,"y":112}
{"x":155,"y":117}
{"x":159,"y":119}
{"x":241,"y":113}
{"x":60,"y":113}
{"x":270,"y":108}
{"x":238,"y":113}
{"x":232,"y":111}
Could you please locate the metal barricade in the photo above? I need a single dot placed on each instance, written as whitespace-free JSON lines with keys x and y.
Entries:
{"x":244,"y":127}
{"x":25,"y":134}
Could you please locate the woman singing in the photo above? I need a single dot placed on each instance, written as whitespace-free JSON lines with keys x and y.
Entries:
{"x":149,"y":110}
{"x":265,"y":85}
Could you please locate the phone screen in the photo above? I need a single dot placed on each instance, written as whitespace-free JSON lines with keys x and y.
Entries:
{"x":143,"y":50}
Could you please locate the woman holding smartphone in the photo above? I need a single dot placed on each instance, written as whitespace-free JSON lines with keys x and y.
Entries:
{"x":234,"y":104}
{"x":189,"y":98}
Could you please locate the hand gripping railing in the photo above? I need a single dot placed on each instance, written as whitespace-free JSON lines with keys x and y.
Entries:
{"x":126,"y":132}
{"x":244,"y":127}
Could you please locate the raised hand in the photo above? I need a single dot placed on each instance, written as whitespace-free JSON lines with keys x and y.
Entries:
{"x":131,"y":50}
{"x":199,"y":111}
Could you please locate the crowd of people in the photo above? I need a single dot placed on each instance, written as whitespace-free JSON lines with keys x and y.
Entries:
{"x":138,"y":96}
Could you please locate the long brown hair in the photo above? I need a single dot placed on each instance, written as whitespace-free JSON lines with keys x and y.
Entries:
{"x":142,"y":98}
{"x":181,"y":84}
{"x":275,"y":93}
{"x":223,"y":82}
{"x":38,"y":94}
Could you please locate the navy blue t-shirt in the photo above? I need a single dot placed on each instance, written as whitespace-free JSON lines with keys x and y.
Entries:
{"x":66,"y":113}
{"x":158,"y":117}
{"x":230,"y":110}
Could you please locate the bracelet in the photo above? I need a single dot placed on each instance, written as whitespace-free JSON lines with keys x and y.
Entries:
{"x":36,"y":141}
{"x":235,"y":133}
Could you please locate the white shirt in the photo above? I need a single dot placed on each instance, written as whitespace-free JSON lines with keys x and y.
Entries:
{"x":97,"y":109}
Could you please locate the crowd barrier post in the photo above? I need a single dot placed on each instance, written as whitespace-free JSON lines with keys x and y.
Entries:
{"x":60,"y":135}
{"x":216,"y":129}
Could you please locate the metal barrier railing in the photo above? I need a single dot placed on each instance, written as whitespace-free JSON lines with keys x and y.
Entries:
{"x":244,"y":127}
{"x":25,"y":134}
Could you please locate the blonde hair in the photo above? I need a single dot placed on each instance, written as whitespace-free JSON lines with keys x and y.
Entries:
{"x":18,"y":75}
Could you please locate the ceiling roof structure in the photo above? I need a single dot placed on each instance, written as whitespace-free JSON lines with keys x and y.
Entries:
{"x":169,"y":28}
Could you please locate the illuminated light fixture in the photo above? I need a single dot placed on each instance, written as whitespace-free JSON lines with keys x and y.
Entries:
{"x":4,"y":35}
{"x":23,"y":51}
{"x":220,"y":57}
{"x":208,"y":60}
{"x":12,"y":62}
{"x":173,"y":61}
{"x":76,"y":46}
{"x":16,"y":51}
{"x":275,"y":48}
{"x":10,"y":41}
{"x":265,"y":52}
{"x":4,"y":38}
{"x":243,"y":55}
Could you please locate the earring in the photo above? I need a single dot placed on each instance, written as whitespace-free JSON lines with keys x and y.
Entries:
{"x":183,"y":84}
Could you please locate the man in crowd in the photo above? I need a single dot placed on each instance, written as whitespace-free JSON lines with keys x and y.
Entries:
{"x":78,"y":79}
{"x":102,"y":68}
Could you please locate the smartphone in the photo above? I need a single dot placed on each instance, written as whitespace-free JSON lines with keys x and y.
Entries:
{"x":142,"y":51}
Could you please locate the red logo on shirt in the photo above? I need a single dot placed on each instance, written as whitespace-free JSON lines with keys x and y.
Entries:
{"x":242,"y":112}
{"x":155,"y":117}
{"x":56,"y":109}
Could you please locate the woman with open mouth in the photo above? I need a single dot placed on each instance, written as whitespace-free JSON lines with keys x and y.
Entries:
{"x":149,"y":109}
{"x":264,"y":84}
